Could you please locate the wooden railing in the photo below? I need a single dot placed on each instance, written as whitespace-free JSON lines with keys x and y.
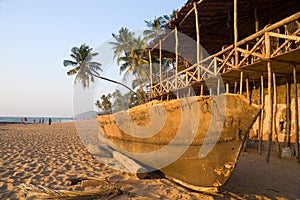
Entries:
{"x":249,"y":51}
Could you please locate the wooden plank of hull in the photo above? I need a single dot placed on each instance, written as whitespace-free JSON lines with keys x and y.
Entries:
{"x":192,"y":170}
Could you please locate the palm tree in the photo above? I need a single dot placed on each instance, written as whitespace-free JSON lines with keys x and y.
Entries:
{"x":155,"y":26}
{"x":106,"y":104}
{"x":84,"y":68}
{"x":123,"y":43}
{"x":98,"y":104}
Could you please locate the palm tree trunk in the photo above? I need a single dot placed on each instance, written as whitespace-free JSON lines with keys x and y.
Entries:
{"x":119,"y":83}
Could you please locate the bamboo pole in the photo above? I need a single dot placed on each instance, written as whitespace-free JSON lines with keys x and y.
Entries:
{"x":218,"y":87}
{"x":270,"y":106}
{"x":151,"y":80}
{"x":262,"y":96}
{"x":296,"y":114}
{"x":235,"y":19}
{"x":235,"y":87}
{"x":176,"y":58}
{"x":278,"y":150}
{"x":227,"y":88}
{"x":201,"y":90}
{"x":160,"y":62}
{"x":198,"y":39}
{"x":247,"y":89}
{"x":288,"y":115}
{"x":241,"y":83}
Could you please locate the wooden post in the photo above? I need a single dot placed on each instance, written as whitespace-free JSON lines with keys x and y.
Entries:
{"x":241,"y":83}
{"x":218,"y":87}
{"x":151,"y":80}
{"x":210,"y":91}
{"x":176,"y":58}
{"x":278,"y":150}
{"x":235,"y":26}
{"x":247,"y":89}
{"x":262,"y":96}
{"x":201,"y":90}
{"x":296,"y":114}
{"x":235,"y":87}
{"x":160,"y":61}
{"x":269,"y":109}
{"x":288,"y":115}
{"x":227,"y":88}
{"x":198,"y":39}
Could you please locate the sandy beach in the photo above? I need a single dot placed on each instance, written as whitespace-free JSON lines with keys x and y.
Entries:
{"x":50,"y":156}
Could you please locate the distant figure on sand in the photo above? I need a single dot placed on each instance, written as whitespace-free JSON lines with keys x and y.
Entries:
{"x":50,"y":121}
{"x":25,"y":120}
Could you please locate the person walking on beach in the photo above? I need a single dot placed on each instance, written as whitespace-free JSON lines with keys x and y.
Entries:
{"x":25,"y":120}
{"x":50,"y":121}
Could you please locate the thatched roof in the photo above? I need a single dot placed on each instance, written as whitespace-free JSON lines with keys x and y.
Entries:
{"x":216,"y":22}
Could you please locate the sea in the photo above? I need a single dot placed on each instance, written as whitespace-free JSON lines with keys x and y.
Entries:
{"x":32,"y":120}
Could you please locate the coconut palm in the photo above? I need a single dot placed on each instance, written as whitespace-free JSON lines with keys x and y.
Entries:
{"x":123,"y":43}
{"x":156,"y":28}
{"x":84,"y":68}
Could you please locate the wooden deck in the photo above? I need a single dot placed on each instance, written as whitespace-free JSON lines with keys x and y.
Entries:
{"x":277,"y":44}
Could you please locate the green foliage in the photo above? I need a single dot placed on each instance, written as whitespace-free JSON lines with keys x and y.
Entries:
{"x":82,"y":64}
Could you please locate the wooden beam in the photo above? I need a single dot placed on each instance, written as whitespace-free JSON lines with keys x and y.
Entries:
{"x":198,"y":39}
{"x":227,"y":88}
{"x":241,"y":83}
{"x":235,"y":87}
{"x":247,"y":89}
{"x":270,"y":106}
{"x":176,"y":58}
{"x":151,"y":80}
{"x":288,"y":115}
{"x":296,"y":114}
{"x":235,"y":26}
{"x":160,"y":61}
{"x":262,"y":96}
{"x":277,"y":145}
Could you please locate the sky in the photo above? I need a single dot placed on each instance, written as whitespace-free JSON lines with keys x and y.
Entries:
{"x":37,"y":35}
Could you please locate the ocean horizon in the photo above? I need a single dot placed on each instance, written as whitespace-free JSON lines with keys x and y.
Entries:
{"x":34,"y":119}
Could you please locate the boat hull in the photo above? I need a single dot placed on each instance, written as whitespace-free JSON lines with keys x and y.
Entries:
{"x":197,"y":140}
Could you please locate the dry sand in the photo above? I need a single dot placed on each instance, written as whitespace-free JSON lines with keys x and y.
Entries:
{"x":50,"y":155}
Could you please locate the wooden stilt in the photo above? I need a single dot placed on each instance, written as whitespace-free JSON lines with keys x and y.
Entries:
{"x":235,"y":87}
{"x":235,"y":27}
{"x":210,"y":91}
{"x":296,"y":114}
{"x":201,"y":90}
{"x":218,"y":87}
{"x":241,"y":83}
{"x":269,"y":109}
{"x":151,"y":81}
{"x":160,"y":62}
{"x":247,"y":89}
{"x":198,"y":39}
{"x":245,"y":146}
{"x":278,"y":150}
{"x":176,"y":58}
{"x":288,"y":115}
{"x":262,"y":96}
{"x":227,"y":88}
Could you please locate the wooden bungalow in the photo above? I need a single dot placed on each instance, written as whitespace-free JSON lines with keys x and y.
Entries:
{"x":245,"y":47}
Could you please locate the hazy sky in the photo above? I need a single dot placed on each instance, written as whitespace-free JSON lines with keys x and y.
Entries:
{"x":37,"y":35}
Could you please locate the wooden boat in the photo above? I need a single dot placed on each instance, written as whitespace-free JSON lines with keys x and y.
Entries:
{"x":194,"y":141}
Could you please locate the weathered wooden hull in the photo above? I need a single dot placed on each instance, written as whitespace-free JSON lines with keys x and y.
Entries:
{"x":196,"y":142}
